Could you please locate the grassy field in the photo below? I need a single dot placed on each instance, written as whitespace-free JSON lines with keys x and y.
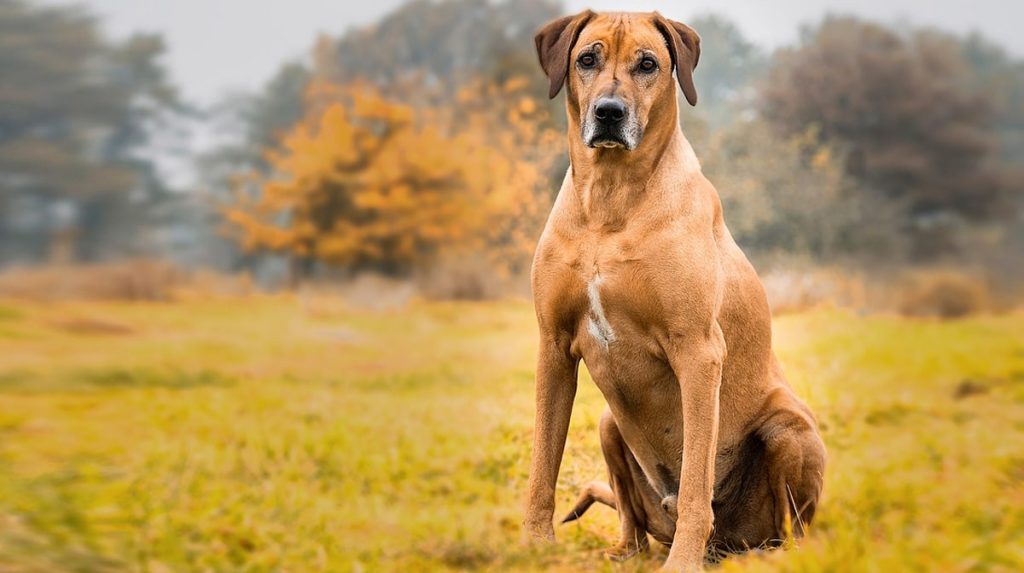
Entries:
{"x":268,"y":434}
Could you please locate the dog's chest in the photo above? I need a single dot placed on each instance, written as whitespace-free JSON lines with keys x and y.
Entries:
{"x":598,"y":325}
{"x":603,"y":290}
{"x":618,"y":300}
{"x":615,"y":312}
{"x":617,"y":336}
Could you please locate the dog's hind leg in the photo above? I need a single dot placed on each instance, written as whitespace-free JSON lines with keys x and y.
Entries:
{"x":630,"y":494}
{"x":594,"y":491}
{"x":796,"y":464}
{"x":622,"y":471}
{"x":637,"y":502}
{"x":771,"y":495}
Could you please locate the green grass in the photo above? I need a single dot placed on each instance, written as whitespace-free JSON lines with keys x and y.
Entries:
{"x":267,"y":435}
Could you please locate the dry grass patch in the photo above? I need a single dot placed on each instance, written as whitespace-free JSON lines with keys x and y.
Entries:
{"x":930,"y":292}
{"x":237,"y":436}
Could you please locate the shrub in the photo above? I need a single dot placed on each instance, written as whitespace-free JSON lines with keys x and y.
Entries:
{"x":128,"y":280}
{"x":467,"y":278}
{"x":791,"y":290}
{"x":945,"y":294}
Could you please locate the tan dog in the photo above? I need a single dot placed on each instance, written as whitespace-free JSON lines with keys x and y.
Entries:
{"x":637,"y":275}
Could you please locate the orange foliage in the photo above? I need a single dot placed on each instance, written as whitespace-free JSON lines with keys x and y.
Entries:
{"x":367,"y":180}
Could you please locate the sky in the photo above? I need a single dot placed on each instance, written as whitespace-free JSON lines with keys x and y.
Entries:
{"x":216,"y":47}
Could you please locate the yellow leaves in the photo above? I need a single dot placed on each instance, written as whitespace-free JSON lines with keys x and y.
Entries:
{"x":527,"y":105}
{"x":516,"y":84}
{"x":367,"y":179}
{"x":466,"y":95}
{"x":369,"y":105}
{"x":338,"y":246}
{"x":822,"y":158}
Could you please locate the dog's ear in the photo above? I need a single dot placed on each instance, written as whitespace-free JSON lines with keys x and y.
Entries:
{"x":554,"y":43}
{"x":684,"y":47}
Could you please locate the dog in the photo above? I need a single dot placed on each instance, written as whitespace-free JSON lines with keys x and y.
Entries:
{"x":636,"y":274}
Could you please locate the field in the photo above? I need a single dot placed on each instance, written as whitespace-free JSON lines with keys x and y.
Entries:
{"x":280,"y":434}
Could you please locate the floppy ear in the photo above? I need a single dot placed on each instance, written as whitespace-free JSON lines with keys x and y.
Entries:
{"x":684,"y":47}
{"x":554,"y":43}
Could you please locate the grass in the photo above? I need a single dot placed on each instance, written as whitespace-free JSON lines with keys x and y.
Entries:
{"x":262,"y":434}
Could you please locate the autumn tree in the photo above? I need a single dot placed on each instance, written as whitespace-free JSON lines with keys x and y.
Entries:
{"x":368,"y":181}
{"x":916,"y":130}
{"x":443,"y":46}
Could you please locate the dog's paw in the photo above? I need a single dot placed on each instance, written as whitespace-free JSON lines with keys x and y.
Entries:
{"x":681,"y":561}
{"x":627,"y":550}
{"x":539,"y":534}
{"x":682,"y":565}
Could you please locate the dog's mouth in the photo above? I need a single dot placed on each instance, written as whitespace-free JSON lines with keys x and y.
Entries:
{"x":608,"y":142}
{"x":625,"y":137}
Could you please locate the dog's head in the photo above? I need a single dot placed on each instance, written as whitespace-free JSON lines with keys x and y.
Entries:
{"x":618,"y":68}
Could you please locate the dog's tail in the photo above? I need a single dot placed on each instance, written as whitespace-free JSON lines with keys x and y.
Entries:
{"x":593,"y":491}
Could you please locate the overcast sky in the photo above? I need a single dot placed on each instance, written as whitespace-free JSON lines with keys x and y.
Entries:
{"x":216,"y":46}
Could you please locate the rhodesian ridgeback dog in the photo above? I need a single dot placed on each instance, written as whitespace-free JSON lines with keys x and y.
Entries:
{"x":636,"y":274}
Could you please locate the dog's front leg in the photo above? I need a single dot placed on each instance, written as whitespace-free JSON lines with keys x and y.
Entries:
{"x":556,"y":389}
{"x":697,"y":362}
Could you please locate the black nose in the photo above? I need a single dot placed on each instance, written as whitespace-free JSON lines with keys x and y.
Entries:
{"x":609,"y":111}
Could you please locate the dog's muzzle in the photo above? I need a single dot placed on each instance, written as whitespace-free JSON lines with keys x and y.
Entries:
{"x":610,"y":124}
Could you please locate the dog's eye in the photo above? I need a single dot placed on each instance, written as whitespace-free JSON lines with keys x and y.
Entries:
{"x":647,"y":65}
{"x":587,"y":61}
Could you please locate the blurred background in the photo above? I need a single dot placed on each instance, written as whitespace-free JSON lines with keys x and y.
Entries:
{"x":264,"y":298}
{"x":315,"y":142}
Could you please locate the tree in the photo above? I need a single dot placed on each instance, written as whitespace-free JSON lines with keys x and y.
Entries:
{"x":443,"y":46}
{"x":726,"y":76}
{"x":258,"y":121}
{"x":369,"y":181}
{"x":447,"y":43}
{"x":788,"y":196}
{"x":75,"y":111}
{"x":1003,"y":78}
{"x":917,"y":131}
{"x":451,"y":41}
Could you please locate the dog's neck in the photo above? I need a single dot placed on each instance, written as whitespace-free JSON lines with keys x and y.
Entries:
{"x":609,"y":183}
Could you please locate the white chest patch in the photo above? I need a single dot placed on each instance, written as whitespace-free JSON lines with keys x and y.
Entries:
{"x":597,"y":322}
